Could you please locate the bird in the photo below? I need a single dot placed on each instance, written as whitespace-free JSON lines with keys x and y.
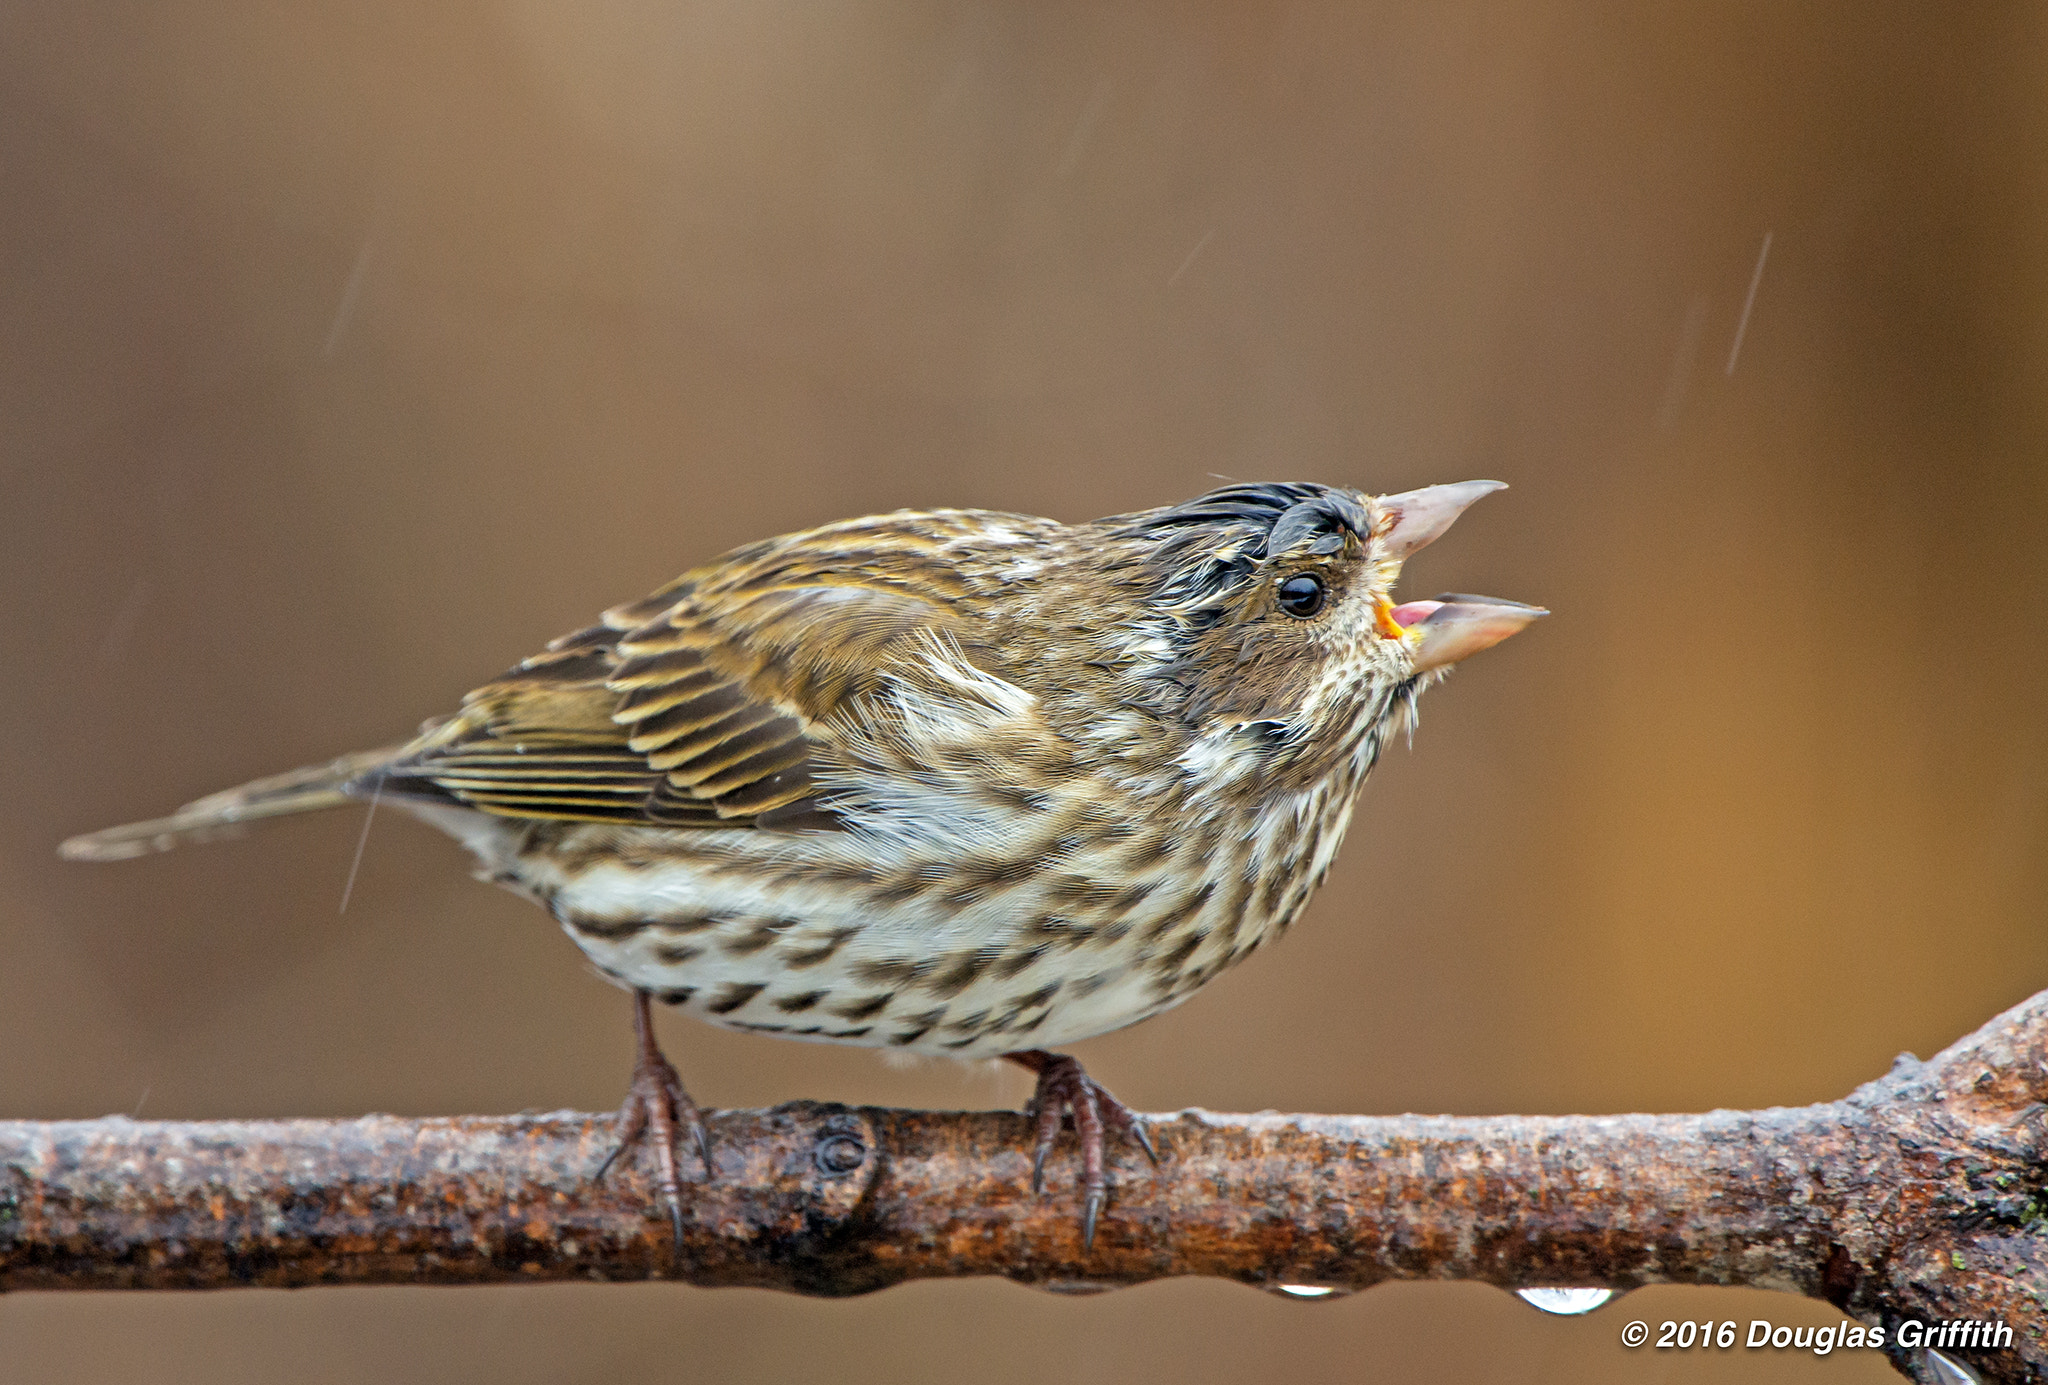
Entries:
{"x":952,"y":782}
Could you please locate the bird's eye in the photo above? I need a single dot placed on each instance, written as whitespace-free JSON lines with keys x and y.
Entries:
{"x":1302,"y":595}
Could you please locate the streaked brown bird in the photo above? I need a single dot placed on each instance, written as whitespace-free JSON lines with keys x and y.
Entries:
{"x":949,"y":781}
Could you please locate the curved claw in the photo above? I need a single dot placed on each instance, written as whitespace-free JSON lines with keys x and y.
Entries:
{"x":1090,"y":1210}
{"x":609,"y":1160}
{"x":1143,"y":1135}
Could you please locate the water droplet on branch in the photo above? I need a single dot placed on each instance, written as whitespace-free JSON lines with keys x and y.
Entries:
{"x":1567,"y":1303}
{"x":1947,"y":1372}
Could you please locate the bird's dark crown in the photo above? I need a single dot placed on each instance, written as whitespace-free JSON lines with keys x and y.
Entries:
{"x":1280,"y":513}
{"x":1203,"y":550}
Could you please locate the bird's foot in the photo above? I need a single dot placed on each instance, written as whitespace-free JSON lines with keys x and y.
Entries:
{"x":1066,"y":1092}
{"x":658,"y":1107}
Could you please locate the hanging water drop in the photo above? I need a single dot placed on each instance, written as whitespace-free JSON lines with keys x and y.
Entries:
{"x":1568,"y":1303}
{"x":1309,"y":1291}
{"x":1947,"y":1372}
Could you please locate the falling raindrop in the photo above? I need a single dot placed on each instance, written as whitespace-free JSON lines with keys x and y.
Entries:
{"x":1568,"y":1303}
{"x":1943,"y":1371}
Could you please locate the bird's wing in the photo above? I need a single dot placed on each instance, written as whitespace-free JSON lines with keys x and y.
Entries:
{"x":712,"y":702}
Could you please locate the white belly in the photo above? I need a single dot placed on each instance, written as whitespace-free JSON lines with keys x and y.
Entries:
{"x":806,"y":935}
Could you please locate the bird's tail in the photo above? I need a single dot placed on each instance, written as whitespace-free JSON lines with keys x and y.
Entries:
{"x":225,"y":814}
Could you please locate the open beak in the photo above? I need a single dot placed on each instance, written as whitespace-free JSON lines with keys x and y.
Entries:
{"x":1454,"y":627}
{"x":1441,"y":632}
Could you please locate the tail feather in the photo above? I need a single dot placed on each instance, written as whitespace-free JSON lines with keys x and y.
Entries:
{"x":226,"y":814}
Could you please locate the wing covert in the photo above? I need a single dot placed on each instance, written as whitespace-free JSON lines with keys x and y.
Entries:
{"x":709,"y":702}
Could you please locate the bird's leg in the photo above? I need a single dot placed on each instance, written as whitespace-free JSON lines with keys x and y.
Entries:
{"x":657,"y":1105}
{"x":1064,"y":1090}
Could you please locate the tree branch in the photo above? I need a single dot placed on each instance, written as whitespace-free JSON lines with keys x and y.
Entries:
{"x":1921,"y":1196}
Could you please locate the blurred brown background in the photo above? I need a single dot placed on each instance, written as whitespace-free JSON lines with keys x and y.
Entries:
{"x":350,"y":351}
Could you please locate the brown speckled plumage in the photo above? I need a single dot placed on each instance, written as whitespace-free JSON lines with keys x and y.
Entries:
{"x":953,"y":781}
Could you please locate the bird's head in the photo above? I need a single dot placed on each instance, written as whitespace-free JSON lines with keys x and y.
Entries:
{"x":1271,"y":612}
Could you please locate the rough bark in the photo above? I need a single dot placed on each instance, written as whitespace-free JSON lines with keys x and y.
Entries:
{"x":1920,"y":1196}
